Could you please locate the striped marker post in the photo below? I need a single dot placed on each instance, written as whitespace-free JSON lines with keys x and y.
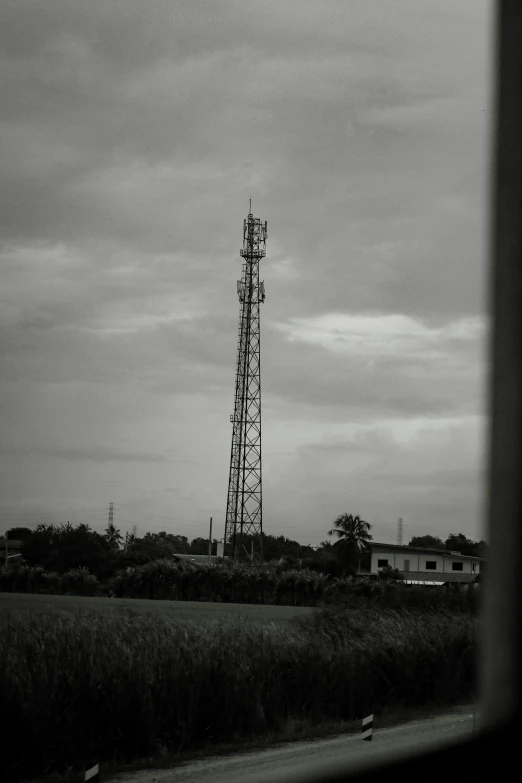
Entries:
{"x":93,"y":774}
{"x":367,"y":728}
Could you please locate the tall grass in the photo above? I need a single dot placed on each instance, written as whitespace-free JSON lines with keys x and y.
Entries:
{"x":82,"y":687}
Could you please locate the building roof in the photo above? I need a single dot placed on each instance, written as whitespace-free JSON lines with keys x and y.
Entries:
{"x":406,"y":548}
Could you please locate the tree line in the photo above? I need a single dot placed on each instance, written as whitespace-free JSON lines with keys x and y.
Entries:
{"x":60,"y":548}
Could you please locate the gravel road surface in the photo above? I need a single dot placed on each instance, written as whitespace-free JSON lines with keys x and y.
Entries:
{"x":302,"y":761}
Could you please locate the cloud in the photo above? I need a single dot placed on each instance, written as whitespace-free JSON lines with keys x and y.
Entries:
{"x":380,"y":336}
{"x":429,"y":473}
{"x":133,"y":136}
{"x":365,"y":365}
{"x":94,"y":454}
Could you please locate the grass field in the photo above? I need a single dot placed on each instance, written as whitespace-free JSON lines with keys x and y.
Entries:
{"x":186,"y":610}
{"x":89,"y":683}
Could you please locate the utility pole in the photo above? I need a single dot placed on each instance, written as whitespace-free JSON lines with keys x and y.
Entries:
{"x":210,"y":542}
{"x":244,"y":499}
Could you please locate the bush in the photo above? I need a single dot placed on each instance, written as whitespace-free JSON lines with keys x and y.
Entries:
{"x":51,"y":583}
{"x":237,"y":583}
{"x":79,"y":581}
{"x":394,"y":595}
{"x":23,"y":578}
{"x":389,"y":573}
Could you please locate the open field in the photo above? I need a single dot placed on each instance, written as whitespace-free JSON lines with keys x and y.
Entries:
{"x":186,"y":610}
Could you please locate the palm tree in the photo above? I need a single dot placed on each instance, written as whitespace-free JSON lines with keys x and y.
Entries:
{"x":43,"y":527}
{"x":130,"y":539}
{"x":354,"y":536}
{"x":113,"y":536}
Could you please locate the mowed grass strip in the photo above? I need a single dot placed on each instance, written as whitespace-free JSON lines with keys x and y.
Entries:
{"x":184,"y":610}
{"x":112,"y":686}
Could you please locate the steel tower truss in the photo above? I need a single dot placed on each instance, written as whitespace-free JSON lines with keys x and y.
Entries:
{"x":244,"y":500}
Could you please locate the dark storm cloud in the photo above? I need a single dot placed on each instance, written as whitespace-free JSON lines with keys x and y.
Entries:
{"x":138,"y":127}
{"x":189,"y":354}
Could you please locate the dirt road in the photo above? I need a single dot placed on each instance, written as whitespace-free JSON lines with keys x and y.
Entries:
{"x":301,"y":761}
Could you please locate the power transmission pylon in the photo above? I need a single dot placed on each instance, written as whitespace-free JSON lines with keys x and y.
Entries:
{"x":244,"y":500}
{"x":399,"y":531}
{"x":111,"y":514}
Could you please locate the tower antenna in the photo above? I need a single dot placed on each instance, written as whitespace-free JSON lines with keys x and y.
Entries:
{"x":244,"y":500}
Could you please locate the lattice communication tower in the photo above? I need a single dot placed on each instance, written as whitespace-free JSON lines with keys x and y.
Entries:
{"x":244,"y":500}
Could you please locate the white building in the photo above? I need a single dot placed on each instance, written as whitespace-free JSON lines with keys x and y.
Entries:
{"x":425,"y":566}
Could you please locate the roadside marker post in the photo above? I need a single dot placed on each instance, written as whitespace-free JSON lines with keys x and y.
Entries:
{"x":92,"y":774}
{"x":367,"y":728}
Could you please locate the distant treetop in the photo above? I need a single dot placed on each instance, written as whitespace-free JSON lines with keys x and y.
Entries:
{"x":456,"y":542}
{"x":427,"y":542}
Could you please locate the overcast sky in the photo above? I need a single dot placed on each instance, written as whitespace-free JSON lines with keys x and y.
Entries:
{"x":132,"y":135}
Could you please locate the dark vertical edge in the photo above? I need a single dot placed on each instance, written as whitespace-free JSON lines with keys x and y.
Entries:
{"x":501,"y":649}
